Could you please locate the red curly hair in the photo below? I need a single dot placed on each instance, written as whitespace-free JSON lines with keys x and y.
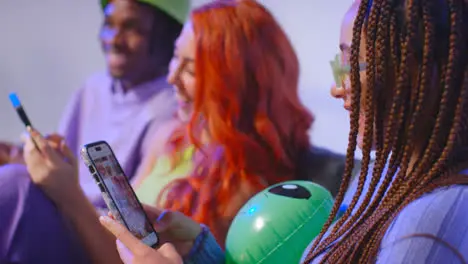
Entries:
{"x":247,"y":101}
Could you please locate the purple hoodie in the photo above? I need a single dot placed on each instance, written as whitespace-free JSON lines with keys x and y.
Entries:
{"x":100,"y":110}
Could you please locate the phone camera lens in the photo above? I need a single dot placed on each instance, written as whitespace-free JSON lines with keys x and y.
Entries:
{"x":91,"y":169}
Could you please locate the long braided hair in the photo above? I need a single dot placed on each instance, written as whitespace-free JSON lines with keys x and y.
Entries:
{"x":416,"y":105}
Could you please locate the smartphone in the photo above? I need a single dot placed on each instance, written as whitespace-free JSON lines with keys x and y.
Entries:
{"x":117,"y":192}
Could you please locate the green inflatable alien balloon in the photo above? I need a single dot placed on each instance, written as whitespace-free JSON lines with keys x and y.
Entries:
{"x":278,"y":224}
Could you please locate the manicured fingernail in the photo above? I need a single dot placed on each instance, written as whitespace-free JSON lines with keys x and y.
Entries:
{"x":160,"y":217}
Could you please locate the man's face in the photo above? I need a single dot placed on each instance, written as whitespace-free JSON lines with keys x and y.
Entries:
{"x":125,"y":39}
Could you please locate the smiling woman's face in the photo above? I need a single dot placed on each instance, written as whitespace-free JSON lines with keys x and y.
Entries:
{"x":182,"y":71}
{"x":342,"y":88}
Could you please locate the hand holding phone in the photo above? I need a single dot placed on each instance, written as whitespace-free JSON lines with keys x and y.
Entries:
{"x":172,"y":226}
{"x":117,"y":191}
{"x":132,"y":250}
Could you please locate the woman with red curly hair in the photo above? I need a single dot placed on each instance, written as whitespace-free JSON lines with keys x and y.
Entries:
{"x":235,"y":74}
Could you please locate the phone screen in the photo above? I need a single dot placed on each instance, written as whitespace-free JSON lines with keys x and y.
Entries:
{"x":122,"y":193}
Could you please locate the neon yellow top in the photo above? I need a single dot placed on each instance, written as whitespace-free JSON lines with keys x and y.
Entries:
{"x":162,"y":174}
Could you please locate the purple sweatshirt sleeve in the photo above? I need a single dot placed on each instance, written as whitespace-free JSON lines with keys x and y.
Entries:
{"x":32,"y":230}
{"x":205,"y":250}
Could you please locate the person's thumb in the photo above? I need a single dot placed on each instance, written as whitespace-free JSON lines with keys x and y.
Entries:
{"x":169,"y":251}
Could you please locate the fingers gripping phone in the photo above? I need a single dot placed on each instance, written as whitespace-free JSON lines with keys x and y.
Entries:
{"x":117,"y":192}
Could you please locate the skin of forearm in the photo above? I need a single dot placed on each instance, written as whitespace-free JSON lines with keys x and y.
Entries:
{"x":96,"y":240}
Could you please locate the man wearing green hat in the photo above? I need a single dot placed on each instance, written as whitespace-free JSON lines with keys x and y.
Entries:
{"x":123,"y":106}
{"x":128,"y":103}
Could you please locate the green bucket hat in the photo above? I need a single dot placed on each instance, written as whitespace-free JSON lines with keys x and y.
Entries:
{"x":177,"y":9}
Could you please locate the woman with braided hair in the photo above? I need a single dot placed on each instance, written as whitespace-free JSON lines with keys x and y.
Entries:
{"x":407,"y":61}
{"x":408,"y":100}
